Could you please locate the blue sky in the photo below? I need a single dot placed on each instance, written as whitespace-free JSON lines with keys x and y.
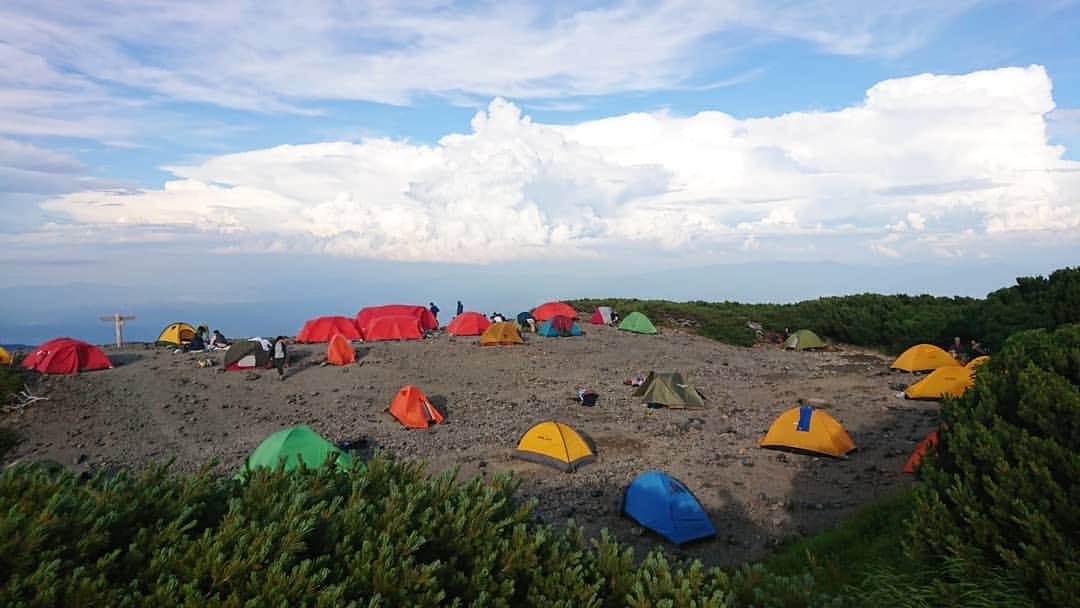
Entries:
{"x":611,"y":136}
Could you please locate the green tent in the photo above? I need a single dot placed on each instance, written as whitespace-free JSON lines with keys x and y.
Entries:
{"x":669,"y":389}
{"x":296,"y":441}
{"x":637,"y":323}
{"x":803,"y":339}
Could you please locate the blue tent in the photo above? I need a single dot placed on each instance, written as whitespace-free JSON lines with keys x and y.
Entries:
{"x":547,"y":330}
{"x":664,"y":505}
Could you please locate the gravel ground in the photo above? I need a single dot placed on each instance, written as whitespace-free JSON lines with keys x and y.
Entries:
{"x":156,"y":405}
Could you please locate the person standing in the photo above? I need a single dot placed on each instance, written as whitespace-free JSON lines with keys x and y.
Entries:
{"x":434,"y":311}
{"x":460,"y":308}
{"x":281,"y":356}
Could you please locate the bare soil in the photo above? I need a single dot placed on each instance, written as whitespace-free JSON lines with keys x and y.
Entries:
{"x":157,"y":406}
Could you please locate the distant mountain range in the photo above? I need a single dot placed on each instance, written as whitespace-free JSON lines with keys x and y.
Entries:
{"x":32,"y":314}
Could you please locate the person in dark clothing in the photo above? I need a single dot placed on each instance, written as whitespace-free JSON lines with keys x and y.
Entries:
{"x":460,"y":308}
{"x":196,"y":344}
{"x":280,"y":356}
{"x":434,"y":311}
{"x":217,"y":340}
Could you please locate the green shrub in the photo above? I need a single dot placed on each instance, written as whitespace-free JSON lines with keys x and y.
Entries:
{"x":1004,"y":490}
{"x":387,"y":535}
{"x":888,"y":322}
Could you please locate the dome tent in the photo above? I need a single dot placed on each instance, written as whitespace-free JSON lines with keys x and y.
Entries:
{"x":468,"y":324}
{"x":323,"y":329}
{"x":176,"y":333}
{"x":413,"y":409}
{"x":637,"y":323}
{"x":550,"y":309}
{"x":292,"y":446}
{"x":922,"y":358}
{"x":804,"y":339}
{"x":339,"y":351}
{"x":666,"y":506}
{"x":556,"y":445}
{"x":808,"y":429}
{"x":504,"y":333}
{"x":66,"y":356}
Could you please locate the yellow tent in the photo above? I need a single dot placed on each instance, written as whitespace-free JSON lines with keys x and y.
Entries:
{"x":557,"y":445}
{"x":977,"y":361}
{"x":176,"y":333}
{"x":952,"y":380}
{"x":810,"y":429}
{"x":923,"y":357}
{"x":504,"y":333}
{"x":5,"y":358}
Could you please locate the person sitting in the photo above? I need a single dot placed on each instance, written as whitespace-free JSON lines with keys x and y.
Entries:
{"x":957,"y":347}
{"x":496,"y":317}
{"x":217,"y":340}
{"x":196,"y":344}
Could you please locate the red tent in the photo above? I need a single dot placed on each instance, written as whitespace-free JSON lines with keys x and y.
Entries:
{"x":597,"y":318}
{"x":468,"y":324}
{"x":412,"y":408}
{"x":66,"y":356}
{"x":393,"y":328}
{"x":546,"y":311}
{"x":420,"y":313}
{"x":562,"y":324}
{"x":323,"y":329}
{"x":927,"y":446}
{"x":339,"y":351}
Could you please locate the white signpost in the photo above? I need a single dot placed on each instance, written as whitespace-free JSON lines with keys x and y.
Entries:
{"x":118,"y":319}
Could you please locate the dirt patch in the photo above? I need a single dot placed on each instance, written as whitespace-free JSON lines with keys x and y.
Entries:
{"x":160,"y":406}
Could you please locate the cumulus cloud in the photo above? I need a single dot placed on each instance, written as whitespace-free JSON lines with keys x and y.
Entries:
{"x":927,"y":165}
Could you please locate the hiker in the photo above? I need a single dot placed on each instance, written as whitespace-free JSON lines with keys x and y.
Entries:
{"x":434,"y":311}
{"x":196,"y":344}
{"x":217,"y":340}
{"x":958,"y":351}
{"x":977,"y":349}
{"x":496,"y":317}
{"x":460,"y":308}
{"x":281,"y":356}
{"x":614,"y":318}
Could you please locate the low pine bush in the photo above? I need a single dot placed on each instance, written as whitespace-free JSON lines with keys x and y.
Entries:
{"x":1004,"y":490}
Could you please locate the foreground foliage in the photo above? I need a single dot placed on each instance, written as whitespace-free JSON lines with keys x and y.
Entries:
{"x":1004,"y":490}
{"x":888,"y":322}
{"x":387,"y":535}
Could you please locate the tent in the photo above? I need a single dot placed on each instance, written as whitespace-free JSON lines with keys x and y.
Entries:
{"x":393,"y":328}
{"x":66,"y":356}
{"x":928,"y":445}
{"x":637,"y":323}
{"x":923,"y":357}
{"x":504,"y":333}
{"x":322,"y":329}
{"x":809,"y":429}
{"x":952,"y":381}
{"x":295,"y":445}
{"x":559,"y":326}
{"x":420,"y":313}
{"x":176,"y":333}
{"x":413,"y":409}
{"x":666,"y":506}
{"x":669,"y":389}
{"x":550,"y":309}
{"x":339,"y":351}
{"x":803,"y":339}
{"x":601,"y":316}
{"x":977,"y":361}
{"x":5,"y":357}
{"x":468,"y":324}
{"x":246,"y":354}
{"x":556,"y":445}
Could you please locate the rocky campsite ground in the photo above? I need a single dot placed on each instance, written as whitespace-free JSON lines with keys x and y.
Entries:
{"x":157,"y":406}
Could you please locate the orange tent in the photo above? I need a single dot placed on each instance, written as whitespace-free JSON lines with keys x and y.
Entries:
{"x":324,"y":328}
{"x":546,"y":311}
{"x":412,"y":408}
{"x":468,"y":324}
{"x":339,"y":351}
{"x":923,"y":358}
{"x":927,"y":446}
{"x":504,"y":333}
{"x":393,"y":328}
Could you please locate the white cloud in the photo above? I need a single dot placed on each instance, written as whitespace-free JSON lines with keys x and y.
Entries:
{"x":919,"y":162}
{"x":282,"y":56}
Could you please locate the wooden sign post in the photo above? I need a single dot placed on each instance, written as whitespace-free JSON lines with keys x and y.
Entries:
{"x":118,"y":319}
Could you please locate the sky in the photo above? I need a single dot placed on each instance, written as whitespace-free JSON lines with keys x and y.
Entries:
{"x":254,"y":163}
